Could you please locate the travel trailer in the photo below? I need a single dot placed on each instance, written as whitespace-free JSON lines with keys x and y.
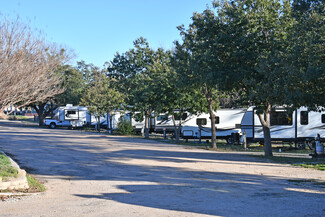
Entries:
{"x":117,"y":116}
{"x":300,"y":127}
{"x":72,"y":116}
{"x":164,"y":122}
{"x":227,"y":124}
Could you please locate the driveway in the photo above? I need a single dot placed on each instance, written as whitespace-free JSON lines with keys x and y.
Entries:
{"x":98,"y":175}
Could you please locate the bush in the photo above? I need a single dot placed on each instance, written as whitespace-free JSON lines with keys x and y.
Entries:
{"x":124,"y":127}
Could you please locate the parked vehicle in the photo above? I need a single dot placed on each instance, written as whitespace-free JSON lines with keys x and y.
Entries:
{"x":164,"y":122}
{"x":69,"y":116}
{"x":300,"y":127}
{"x":227,"y":124}
{"x":72,"y":116}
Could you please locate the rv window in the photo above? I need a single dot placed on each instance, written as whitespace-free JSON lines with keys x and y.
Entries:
{"x":71,"y":112}
{"x":323,"y":119}
{"x":201,"y":121}
{"x":162,"y":117}
{"x":177,"y":117}
{"x":304,"y":117}
{"x":281,"y":118}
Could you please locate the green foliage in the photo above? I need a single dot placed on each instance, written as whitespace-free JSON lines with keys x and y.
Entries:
{"x":142,"y":75}
{"x":317,"y":166}
{"x":201,"y":60}
{"x":124,"y":127}
{"x":74,"y":84}
{"x":34,"y":184}
{"x":257,"y":34}
{"x":6,"y":170}
{"x":100,"y":97}
{"x":261,"y":30}
{"x":307,"y":58}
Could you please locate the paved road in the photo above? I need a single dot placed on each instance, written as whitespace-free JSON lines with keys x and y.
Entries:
{"x":97,"y":175}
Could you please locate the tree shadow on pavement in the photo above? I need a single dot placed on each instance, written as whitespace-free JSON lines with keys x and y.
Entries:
{"x":156,"y":175}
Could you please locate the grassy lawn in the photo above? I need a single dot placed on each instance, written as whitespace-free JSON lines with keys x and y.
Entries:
{"x":318,"y":163}
{"x":317,"y":166}
{"x":21,"y":118}
{"x":6,"y":170}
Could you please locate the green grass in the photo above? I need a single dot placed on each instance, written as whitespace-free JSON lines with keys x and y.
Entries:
{"x":34,"y":184}
{"x":317,"y":166}
{"x":6,"y":170}
{"x":21,"y":118}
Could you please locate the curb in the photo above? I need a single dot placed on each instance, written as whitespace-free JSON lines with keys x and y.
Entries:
{"x":18,"y":183}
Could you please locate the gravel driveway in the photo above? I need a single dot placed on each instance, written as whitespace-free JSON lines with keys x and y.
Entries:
{"x":97,"y":175}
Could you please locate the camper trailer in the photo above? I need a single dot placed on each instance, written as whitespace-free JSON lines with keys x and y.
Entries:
{"x":114,"y":119}
{"x":300,"y":127}
{"x":227,"y":123}
{"x":69,"y":116}
{"x":72,"y":116}
{"x":164,"y":122}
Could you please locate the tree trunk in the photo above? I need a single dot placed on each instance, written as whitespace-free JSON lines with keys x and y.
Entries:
{"x":40,"y":111}
{"x":146,"y":127}
{"x":41,"y":116}
{"x":108,"y":121}
{"x":213,"y":125}
{"x":175,"y":129}
{"x":179,"y":128}
{"x":265,"y":120}
{"x":98,"y":123}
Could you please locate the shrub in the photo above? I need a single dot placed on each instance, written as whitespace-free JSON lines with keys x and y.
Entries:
{"x":124,"y":127}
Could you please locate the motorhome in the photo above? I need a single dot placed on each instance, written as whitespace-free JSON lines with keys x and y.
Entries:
{"x":300,"y":126}
{"x":227,"y":123}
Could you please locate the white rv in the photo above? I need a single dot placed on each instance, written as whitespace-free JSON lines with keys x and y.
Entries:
{"x":72,"y":116}
{"x":117,"y":116}
{"x":69,"y":116}
{"x":227,"y":123}
{"x":300,"y":127}
{"x":164,"y":122}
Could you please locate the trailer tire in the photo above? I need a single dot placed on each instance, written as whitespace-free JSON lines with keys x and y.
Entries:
{"x":52,"y":125}
{"x":300,"y":145}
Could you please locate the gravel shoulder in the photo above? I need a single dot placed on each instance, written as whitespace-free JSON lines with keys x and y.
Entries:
{"x":98,"y":175}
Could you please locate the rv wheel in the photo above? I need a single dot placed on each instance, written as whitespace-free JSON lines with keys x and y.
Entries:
{"x":52,"y":125}
{"x":300,"y":145}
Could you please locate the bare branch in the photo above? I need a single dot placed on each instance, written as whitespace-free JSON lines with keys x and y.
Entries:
{"x":27,"y":65}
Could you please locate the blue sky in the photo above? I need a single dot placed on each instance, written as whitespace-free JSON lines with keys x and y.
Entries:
{"x":97,"y":29}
